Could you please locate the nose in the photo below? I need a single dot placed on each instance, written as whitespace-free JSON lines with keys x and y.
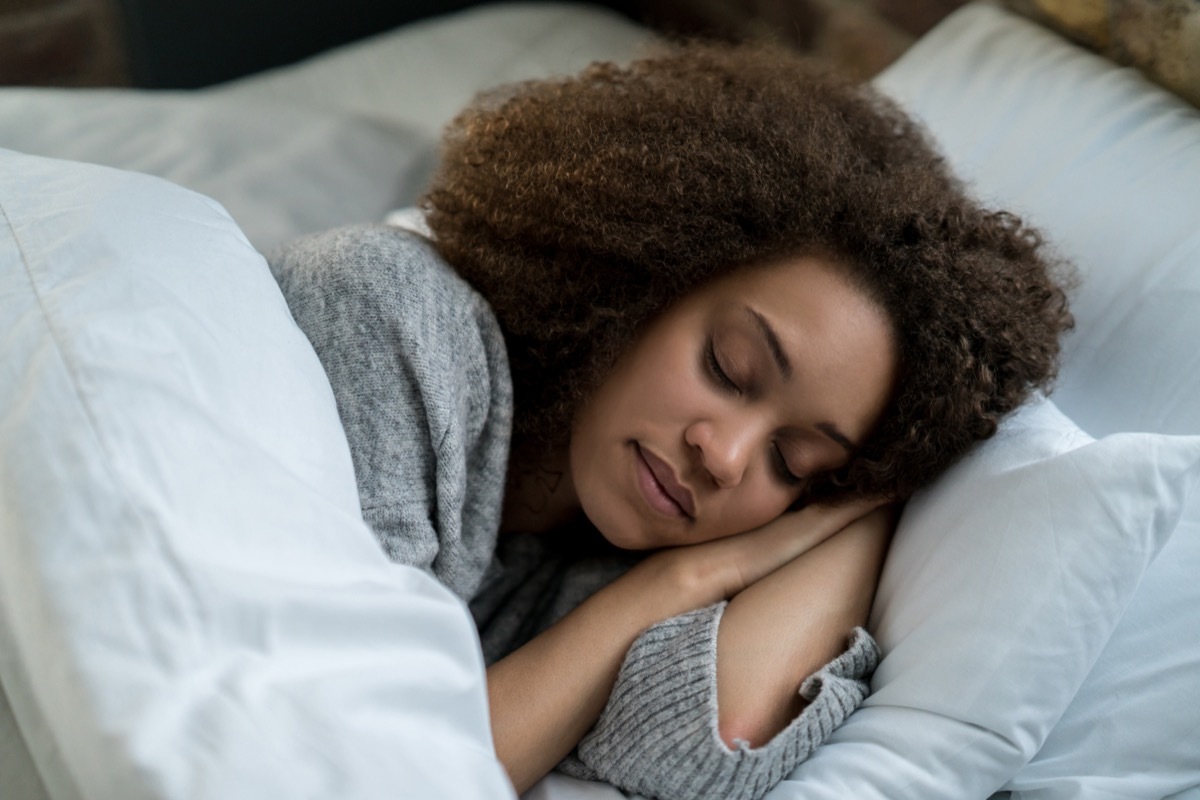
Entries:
{"x":724,"y":449}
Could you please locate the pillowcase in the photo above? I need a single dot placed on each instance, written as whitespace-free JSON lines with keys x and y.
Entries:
{"x":190,"y":603}
{"x":339,"y":138}
{"x":1132,"y":730}
{"x":419,"y":76}
{"x":21,"y":779}
{"x":1107,"y":163}
{"x":1002,"y":585}
{"x":280,"y":169}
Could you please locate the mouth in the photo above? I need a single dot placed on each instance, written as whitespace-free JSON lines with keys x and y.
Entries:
{"x":661,"y":489}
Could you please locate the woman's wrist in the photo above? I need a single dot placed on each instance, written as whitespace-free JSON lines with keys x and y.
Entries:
{"x":547,"y":694}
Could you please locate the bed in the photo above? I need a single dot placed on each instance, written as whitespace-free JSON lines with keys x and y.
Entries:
{"x":192,"y":607}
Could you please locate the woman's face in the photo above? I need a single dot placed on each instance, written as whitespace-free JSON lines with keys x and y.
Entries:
{"x":721,"y":410}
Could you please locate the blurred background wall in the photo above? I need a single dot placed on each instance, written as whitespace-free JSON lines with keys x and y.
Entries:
{"x":188,"y":43}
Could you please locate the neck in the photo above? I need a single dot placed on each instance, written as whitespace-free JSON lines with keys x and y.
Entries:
{"x":539,"y":494}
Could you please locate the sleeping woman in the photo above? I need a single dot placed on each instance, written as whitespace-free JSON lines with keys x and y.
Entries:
{"x":677,"y":339}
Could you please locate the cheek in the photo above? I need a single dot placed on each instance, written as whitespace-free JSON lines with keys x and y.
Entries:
{"x":656,"y":393}
{"x":676,"y":387}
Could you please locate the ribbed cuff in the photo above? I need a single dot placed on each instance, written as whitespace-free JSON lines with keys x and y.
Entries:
{"x":658,"y":735}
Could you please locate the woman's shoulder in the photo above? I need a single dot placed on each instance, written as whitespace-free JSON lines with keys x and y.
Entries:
{"x":419,"y":371}
{"x":377,"y":264}
{"x":380,"y":285}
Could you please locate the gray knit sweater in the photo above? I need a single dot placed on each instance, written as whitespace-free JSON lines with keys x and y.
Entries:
{"x":419,"y":371}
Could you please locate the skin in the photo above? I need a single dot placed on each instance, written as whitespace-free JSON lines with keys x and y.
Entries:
{"x":725,"y":432}
{"x":729,"y":421}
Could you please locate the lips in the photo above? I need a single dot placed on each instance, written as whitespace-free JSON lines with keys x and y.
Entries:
{"x":662,"y":489}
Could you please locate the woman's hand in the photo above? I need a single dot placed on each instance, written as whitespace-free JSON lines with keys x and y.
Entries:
{"x":545,"y":696}
{"x":700,"y":574}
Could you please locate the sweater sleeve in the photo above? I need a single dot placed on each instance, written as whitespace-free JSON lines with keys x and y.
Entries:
{"x":658,"y":734}
{"x":419,"y":371}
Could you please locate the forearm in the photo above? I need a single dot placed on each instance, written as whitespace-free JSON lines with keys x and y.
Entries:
{"x":545,"y":696}
{"x":786,"y":626}
{"x":661,"y":732}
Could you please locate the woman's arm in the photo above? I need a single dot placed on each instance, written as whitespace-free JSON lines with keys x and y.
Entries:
{"x":546,"y":695}
{"x":786,"y":626}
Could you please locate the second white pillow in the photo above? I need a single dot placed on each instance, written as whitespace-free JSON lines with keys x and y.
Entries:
{"x":1004,"y":582}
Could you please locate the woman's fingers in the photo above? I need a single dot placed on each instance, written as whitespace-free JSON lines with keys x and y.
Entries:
{"x":762,"y":551}
{"x":721,"y":568}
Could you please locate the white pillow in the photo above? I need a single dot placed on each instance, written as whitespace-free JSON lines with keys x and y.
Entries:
{"x":420,"y":75}
{"x":339,"y":138}
{"x":19,"y":775}
{"x":1107,"y":164}
{"x":280,"y":169}
{"x":1003,"y":583}
{"x":1132,"y":730}
{"x":190,"y":603}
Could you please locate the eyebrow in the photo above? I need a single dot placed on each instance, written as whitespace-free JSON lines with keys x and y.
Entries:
{"x":830,"y":430}
{"x":785,"y":369}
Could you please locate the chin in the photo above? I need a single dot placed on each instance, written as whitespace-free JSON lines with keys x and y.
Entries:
{"x":611,"y":506}
{"x":623,"y":534}
{"x":626,"y":542}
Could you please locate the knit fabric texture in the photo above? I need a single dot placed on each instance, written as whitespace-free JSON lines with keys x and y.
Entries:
{"x":658,"y":735}
{"x":419,"y":371}
{"x":420,"y":375}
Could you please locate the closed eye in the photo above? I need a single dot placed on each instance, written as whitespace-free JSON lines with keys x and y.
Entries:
{"x":722,"y":379}
{"x":714,"y":368}
{"x":786,"y":475}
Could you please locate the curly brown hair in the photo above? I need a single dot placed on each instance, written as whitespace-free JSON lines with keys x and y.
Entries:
{"x":582,"y":207}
